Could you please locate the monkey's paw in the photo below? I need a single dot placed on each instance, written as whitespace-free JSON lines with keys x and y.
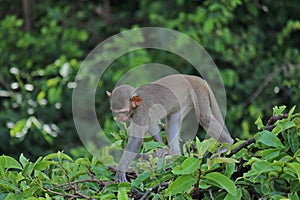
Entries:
{"x":223,"y":150}
{"x":120,"y":177}
{"x":161,"y":153}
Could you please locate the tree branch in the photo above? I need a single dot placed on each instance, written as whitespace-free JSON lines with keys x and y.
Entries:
{"x":238,"y":148}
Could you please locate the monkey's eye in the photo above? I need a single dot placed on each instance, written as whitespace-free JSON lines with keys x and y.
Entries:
{"x":121,"y":113}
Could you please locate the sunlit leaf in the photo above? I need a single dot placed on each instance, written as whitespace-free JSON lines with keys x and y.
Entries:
{"x":122,"y":194}
{"x":9,"y":163}
{"x":182,"y":183}
{"x":259,"y":124}
{"x":140,"y":179}
{"x":152,"y":145}
{"x":21,"y":128}
{"x":278,"y":110}
{"x":268,"y":139}
{"x":283,"y":125}
{"x":55,"y":156}
{"x":188,"y":166}
{"x":222,"y":181}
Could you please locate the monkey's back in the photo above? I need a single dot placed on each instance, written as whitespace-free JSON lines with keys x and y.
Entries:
{"x":166,"y":95}
{"x":158,"y":101}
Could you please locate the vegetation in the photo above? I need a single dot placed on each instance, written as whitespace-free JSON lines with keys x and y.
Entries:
{"x":255,"y":45}
{"x":268,"y":168}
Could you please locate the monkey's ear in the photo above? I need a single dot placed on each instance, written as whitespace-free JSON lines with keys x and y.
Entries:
{"x":108,"y":93}
{"x":136,"y":101}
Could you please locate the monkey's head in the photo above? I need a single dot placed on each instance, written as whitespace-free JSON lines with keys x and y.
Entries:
{"x":123,"y":101}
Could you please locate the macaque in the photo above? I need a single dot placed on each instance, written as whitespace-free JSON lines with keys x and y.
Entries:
{"x":170,"y":98}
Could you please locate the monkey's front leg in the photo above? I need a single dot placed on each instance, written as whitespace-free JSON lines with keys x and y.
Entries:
{"x":173,"y":132}
{"x":129,"y":154}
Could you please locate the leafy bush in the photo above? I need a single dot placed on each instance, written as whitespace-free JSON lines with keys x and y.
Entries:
{"x":35,"y":86}
{"x":254,"y":44}
{"x":266,"y":168}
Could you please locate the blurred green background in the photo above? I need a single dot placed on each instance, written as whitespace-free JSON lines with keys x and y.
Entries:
{"x":254,"y":43}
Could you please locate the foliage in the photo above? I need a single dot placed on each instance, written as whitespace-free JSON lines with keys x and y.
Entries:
{"x":254,"y":44}
{"x":267,"y":169}
{"x":33,"y":94}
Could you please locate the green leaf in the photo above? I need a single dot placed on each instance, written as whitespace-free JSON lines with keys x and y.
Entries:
{"x":19,"y":177}
{"x":188,"y":166}
{"x":181,"y":184}
{"x":278,"y":110}
{"x":268,"y":139}
{"x":108,"y":196}
{"x":152,"y":145}
{"x":122,"y":193}
{"x":23,"y":160}
{"x":59,"y":156}
{"x":296,"y":168}
{"x":8,"y":186}
{"x":205,"y":146}
{"x":222,"y":181}
{"x":52,"y":82}
{"x":230,"y":168}
{"x":41,"y":96}
{"x":124,"y":184}
{"x":54,"y":94}
{"x":140,"y":179}
{"x":261,"y":166}
{"x":229,"y":77}
{"x":101,"y":171}
{"x":297,"y":153}
{"x":56,"y":155}
{"x":238,"y":196}
{"x":40,"y":175}
{"x":21,"y":128}
{"x":208,"y":25}
{"x":224,"y":160}
{"x":293,"y":141}
{"x":35,"y":122}
{"x":283,"y":125}
{"x":9,"y":163}
{"x":42,"y":165}
{"x":290,"y":114}
{"x":28,"y":169}
{"x":259,"y":124}
{"x":105,"y":156}
{"x":269,"y":153}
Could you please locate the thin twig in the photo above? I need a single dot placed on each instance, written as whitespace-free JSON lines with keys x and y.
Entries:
{"x":196,"y":186}
{"x":60,"y":194}
{"x":162,"y":186}
{"x":79,"y":181}
{"x":211,"y":195}
{"x":274,"y":119}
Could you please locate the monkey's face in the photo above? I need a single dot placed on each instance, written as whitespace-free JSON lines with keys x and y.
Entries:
{"x":122,"y":115}
{"x":120,"y":102}
{"x":121,"y":109}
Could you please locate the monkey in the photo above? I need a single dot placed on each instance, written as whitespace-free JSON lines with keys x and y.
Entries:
{"x":170,"y":98}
